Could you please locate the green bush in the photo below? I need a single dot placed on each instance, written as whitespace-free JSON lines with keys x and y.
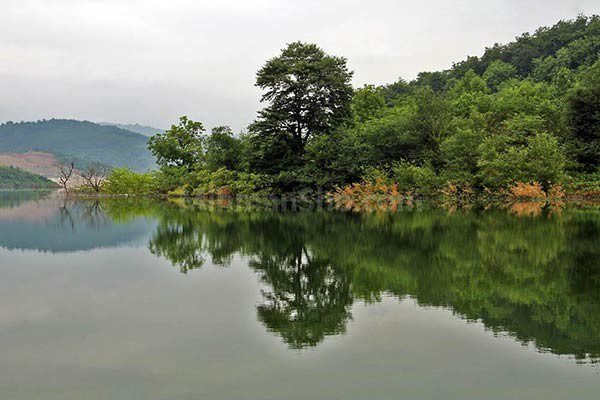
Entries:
{"x":125,"y":181}
{"x":503,"y":162}
{"x":374,"y":175}
{"x":459,"y":155}
{"x":224,"y":182}
{"x":169,"y":178}
{"x":422,"y":180}
{"x":584,"y":183}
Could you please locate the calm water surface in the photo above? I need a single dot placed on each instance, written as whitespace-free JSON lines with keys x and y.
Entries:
{"x":138,"y":299}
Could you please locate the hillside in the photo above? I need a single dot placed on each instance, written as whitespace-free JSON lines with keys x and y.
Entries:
{"x":80,"y":141}
{"x":16,"y":178}
{"x":38,"y":163}
{"x":137,"y":128}
{"x":547,"y":55}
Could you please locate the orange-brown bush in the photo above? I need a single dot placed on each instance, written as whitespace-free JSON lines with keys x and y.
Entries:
{"x":556,"y":192}
{"x":535,"y":191}
{"x":528,"y":190}
{"x":368,"y":196}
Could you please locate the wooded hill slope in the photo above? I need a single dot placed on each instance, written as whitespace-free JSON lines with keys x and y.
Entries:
{"x":79,"y":141}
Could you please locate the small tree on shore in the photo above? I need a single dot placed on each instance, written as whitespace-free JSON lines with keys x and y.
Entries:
{"x":66,"y":172}
{"x":95,"y":175}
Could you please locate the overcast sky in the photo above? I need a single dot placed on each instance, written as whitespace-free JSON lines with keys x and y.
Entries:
{"x":150,"y":61}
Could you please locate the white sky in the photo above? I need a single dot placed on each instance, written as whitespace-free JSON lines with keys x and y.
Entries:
{"x":150,"y":61}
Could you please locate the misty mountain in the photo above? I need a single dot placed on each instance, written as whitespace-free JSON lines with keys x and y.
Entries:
{"x":79,"y":141}
{"x":137,"y":128}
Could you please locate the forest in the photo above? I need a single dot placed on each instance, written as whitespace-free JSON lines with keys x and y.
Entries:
{"x":524,"y":115}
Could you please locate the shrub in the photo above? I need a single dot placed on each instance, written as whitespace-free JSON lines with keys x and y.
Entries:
{"x":412,"y":178}
{"x":375,"y":175}
{"x":545,"y":160}
{"x":224,"y":183}
{"x":586,"y":185}
{"x":460,"y":190}
{"x":528,"y":190}
{"x":125,"y":181}
{"x":169,"y":178}
{"x":367,"y":196}
{"x":504,"y":161}
{"x":556,"y":192}
{"x":459,"y":154}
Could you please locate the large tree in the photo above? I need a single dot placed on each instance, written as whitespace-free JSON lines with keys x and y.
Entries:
{"x":308,"y":94}
{"x":180,"y":146}
{"x":223,"y":149}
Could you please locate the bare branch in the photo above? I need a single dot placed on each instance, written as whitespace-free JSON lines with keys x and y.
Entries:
{"x":66,"y":172}
{"x":94,"y":175}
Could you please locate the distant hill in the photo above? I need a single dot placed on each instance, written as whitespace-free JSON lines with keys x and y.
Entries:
{"x":44,"y":164}
{"x":16,"y":178}
{"x":80,"y":141}
{"x":137,"y":128}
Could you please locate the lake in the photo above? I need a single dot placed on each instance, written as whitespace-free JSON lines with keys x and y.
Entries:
{"x":148,"y":299}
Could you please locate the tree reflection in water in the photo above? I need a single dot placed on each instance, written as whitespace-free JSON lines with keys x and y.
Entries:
{"x":535,"y":276}
{"x":307,"y":298}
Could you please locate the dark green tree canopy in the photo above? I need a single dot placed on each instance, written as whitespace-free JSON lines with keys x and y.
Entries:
{"x":584,"y":115}
{"x":223,"y":149}
{"x":308,"y":92}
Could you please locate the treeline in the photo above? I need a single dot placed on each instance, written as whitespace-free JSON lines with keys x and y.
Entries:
{"x":527,"y":112}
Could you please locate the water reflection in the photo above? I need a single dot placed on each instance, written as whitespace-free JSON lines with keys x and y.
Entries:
{"x":49,"y":222}
{"x":532,"y":275}
{"x":307,"y":297}
{"x":537,"y":278}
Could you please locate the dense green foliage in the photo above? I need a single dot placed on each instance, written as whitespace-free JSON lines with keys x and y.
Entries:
{"x":488,"y":122}
{"x":528,"y":111}
{"x":125,"y":181}
{"x":16,"y":178}
{"x":584,"y":112}
{"x":79,"y":141}
{"x":194,"y":163}
{"x":308,"y":94}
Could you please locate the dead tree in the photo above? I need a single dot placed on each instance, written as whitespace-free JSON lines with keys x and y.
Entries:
{"x":66,"y":172}
{"x":94,"y":175}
